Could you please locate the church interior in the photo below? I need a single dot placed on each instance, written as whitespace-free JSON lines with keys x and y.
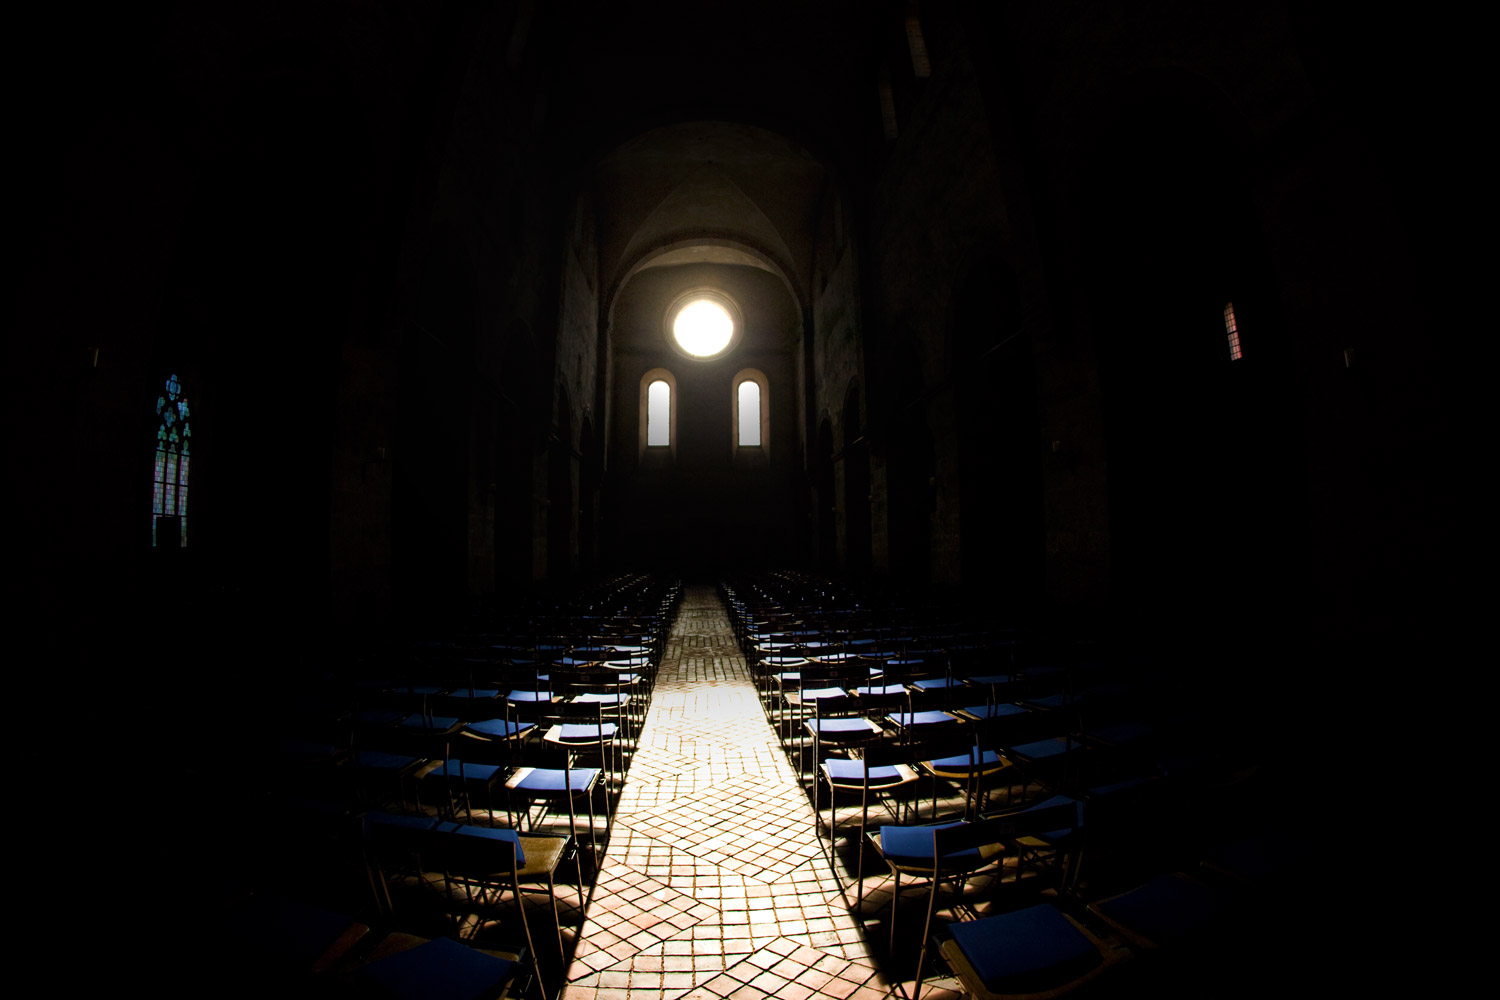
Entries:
{"x":1107,"y":332}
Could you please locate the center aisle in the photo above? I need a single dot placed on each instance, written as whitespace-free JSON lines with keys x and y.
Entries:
{"x":714,"y":884}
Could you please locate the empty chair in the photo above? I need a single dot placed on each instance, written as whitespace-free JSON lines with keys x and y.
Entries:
{"x":953,"y":853}
{"x":488,"y":858}
{"x":836,"y":725}
{"x":548,"y":775}
{"x":405,"y":967}
{"x":1033,"y":953}
{"x":954,"y":754}
{"x":881,"y":769}
{"x":290,"y":939}
{"x":1167,"y":911}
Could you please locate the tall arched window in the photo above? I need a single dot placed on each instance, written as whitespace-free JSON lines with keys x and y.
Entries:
{"x":658,"y":424}
{"x":748,"y":424}
{"x":169,"y":498}
{"x":750,"y":401}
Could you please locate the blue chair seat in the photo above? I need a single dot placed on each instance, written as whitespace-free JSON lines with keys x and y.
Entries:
{"x":999,"y":710}
{"x":813,"y":694}
{"x":439,"y":968}
{"x":484,"y":845}
{"x":906,"y":720}
{"x":291,"y":935}
{"x":1032,"y":950}
{"x":375,"y":760}
{"x":1062,"y":833}
{"x":431,"y":724}
{"x":602,"y":698}
{"x":573,"y":732}
{"x":965,"y":763}
{"x":377,"y":718}
{"x":499,"y":729}
{"x":851,"y":773}
{"x":467,"y":772}
{"x":1044,"y":749}
{"x":1165,"y":911}
{"x":549,"y":781}
{"x":911,"y":847}
{"x":832,"y":729}
{"x":478,"y":694}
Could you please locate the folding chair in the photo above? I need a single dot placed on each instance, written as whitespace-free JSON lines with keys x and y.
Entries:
{"x":1034,"y":953}
{"x":881,"y":769}
{"x":547,"y":774}
{"x":952,"y":852}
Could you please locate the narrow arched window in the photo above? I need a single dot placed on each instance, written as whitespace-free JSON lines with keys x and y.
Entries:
{"x":169,"y":495}
{"x":658,"y":404}
{"x":658,"y":414}
{"x":749,"y":423}
{"x":751,"y":403}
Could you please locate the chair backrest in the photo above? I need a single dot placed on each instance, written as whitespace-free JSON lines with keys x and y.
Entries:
{"x":885,"y":753}
{"x":952,"y":741}
{"x":530,"y":677}
{"x":1000,"y":829}
{"x":585,"y":720}
{"x":818,"y":676}
{"x":592,"y":680}
{"x":836,"y":707}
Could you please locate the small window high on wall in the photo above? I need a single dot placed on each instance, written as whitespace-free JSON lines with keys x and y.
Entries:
{"x":1232,"y":332}
{"x":658,"y":402}
{"x":751,"y":404}
{"x":169,"y":496}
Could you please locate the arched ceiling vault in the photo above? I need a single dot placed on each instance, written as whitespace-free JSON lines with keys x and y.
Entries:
{"x":708,"y":192}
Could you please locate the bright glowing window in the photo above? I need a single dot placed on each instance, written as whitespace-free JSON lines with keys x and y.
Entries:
{"x":703,"y":328}
{"x":1232,"y":331}
{"x":752,"y":423}
{"x":703,"y":323}
{"x":658,"y":403}
{"x":658,"y":413}
{"x":749,"y":414}
{"x":169,"y":495}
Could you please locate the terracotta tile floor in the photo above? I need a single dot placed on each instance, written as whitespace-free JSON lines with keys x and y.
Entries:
{"x":714,"y":884}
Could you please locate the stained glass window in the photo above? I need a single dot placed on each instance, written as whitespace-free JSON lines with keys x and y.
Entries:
{"x":174,"y":438}
{"x":1232,"y":330}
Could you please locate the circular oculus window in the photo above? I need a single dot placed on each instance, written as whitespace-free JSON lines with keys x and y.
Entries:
{"x":703,"y":324}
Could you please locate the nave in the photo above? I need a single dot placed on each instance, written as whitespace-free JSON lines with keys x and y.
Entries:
{"x":704,"y":872}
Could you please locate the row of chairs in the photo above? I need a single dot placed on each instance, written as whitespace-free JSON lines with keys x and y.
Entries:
{"x":282,"y":945}
{"x":477,"y":770}
{"x":1105,"y":759}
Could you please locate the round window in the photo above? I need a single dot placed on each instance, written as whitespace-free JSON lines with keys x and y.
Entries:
{"x":703,"y":324}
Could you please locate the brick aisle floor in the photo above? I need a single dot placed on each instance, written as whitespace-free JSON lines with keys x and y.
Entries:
{"x":714,"y":884}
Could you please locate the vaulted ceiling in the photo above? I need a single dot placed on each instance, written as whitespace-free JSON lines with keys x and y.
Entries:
{"x":708,"y":192}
